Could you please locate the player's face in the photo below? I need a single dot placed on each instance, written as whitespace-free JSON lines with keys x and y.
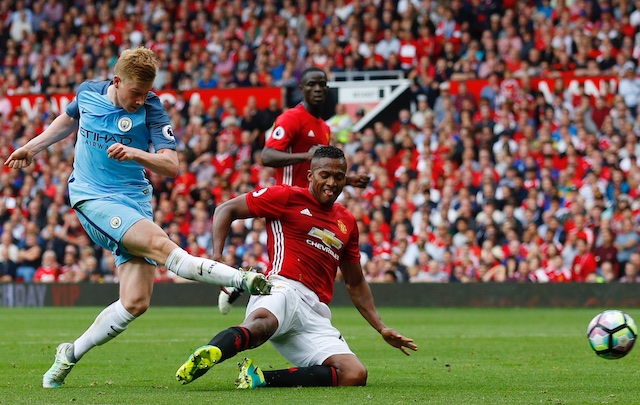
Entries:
{"x":314,"y":88}
{"x":327,"y":177}
{"x":131,"y":95}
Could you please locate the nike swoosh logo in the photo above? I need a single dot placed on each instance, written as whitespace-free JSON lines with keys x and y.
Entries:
{"x":115,"y":331}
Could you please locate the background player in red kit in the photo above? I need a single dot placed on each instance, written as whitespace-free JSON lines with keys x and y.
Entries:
{"x":299,"y":131}
{"x":296,"y":134}
{"x":309,"y":237}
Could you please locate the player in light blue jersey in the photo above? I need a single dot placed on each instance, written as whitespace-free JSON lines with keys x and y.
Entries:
{"x":123,"y":130}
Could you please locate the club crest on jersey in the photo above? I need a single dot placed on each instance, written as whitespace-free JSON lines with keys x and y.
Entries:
{"x":115,"y":222}
{"x":342,"y":226}
{"x":167,"y":132}
{"x":125,"y":124}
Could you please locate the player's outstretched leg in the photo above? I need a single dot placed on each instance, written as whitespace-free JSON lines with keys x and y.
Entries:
{"x":198,"y":363}
{"x":250,"y":375}
{"x":62,"y":365}
{"x":199,"y":269}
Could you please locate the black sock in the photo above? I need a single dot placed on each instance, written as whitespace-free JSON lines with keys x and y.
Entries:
{"x":314,"y":376}
{"x":231,"y":341}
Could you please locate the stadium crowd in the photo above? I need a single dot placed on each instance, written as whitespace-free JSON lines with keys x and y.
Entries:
{"x":506,"y":187}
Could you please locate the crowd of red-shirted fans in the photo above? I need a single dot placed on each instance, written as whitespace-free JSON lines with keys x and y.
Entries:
{"x":510,"y":186}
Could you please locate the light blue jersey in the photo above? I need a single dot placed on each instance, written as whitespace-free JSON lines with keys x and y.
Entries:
{"x":109,"y":196}
{"x":101,"y":124}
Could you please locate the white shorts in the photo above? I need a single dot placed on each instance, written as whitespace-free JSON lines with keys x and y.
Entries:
{"x":305,"y":335}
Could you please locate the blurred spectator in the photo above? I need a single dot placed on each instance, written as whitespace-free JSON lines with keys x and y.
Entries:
{"x":54,"y":11}
{"x":584,"y":263}
{"x":340,"y":124}
{"x":630,"y":274}
{"x":605,"y":274}
{"x":432,"y":274}
{"x":20,"y":26}
{"x":8,"y":257}
{"x":88,"y":265}
{"x":606,"y":252}
{"x":5,"y":104}
{"x":29,"y":256}
{"x":629,"y":87}
{"x":626,"y":242}
{"x":49,"y":270}
{"x":389,"y":44}
{"x":70,"y":270}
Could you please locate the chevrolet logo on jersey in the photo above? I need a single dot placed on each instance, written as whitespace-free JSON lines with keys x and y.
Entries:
{"x":327,"y":237}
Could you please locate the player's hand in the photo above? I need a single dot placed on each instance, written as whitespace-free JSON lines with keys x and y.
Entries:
{"x":120,"y":152}
{"x":358,"y":180}
{"x":21,"y":157}
{"x":397,"y":340}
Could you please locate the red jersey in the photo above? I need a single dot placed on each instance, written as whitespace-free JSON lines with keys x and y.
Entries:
{"x":296,"y":131}
{"x":583,"y":266}
{"x":224,"y":164}
{"x":306,"y":240}
{"x":46,"y":274}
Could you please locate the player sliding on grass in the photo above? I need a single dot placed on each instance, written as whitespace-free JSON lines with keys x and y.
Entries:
{"x":296,"y":134}
{"x":309,"y":237}
{"x":117,"y":121}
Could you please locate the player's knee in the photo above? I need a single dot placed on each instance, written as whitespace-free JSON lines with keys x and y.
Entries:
{"x":161,"y":244}
{"x":355,"y":375}
{"x":136,"y":306}
{"x":262,"y":325}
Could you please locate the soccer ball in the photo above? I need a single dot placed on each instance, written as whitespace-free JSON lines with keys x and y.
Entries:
{"x":612,"y":334}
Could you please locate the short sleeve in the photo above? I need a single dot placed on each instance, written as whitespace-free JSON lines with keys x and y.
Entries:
{"x":73,"y":110}
{"x":268,"y":202}
{"x":284,"y":129}
{"x":159,"y":124}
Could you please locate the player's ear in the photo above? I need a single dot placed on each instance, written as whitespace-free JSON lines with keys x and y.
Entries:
{"x":309,"y":175}
{"x":116,"y":81}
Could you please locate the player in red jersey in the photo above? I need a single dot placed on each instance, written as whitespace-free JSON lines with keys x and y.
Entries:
{"x":296,"y":134}
{"x":309,"y":237}
{"x":299,"y":131}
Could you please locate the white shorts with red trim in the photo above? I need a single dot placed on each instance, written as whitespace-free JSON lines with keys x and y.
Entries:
{"x":305,"y":335}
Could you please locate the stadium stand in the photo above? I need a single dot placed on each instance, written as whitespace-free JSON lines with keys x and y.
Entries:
{"x":514,"y":160}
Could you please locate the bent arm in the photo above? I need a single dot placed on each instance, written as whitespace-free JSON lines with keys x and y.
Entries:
{"x":30,"y":254}
{"x":164,"y":162}
{"x":276,"y":158}
{"x":60,"y":128}
{"x":223,"y":216}
{"x":361,"y":296}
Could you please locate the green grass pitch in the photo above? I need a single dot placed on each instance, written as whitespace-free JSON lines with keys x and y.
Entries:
{"x":466,"y":356}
